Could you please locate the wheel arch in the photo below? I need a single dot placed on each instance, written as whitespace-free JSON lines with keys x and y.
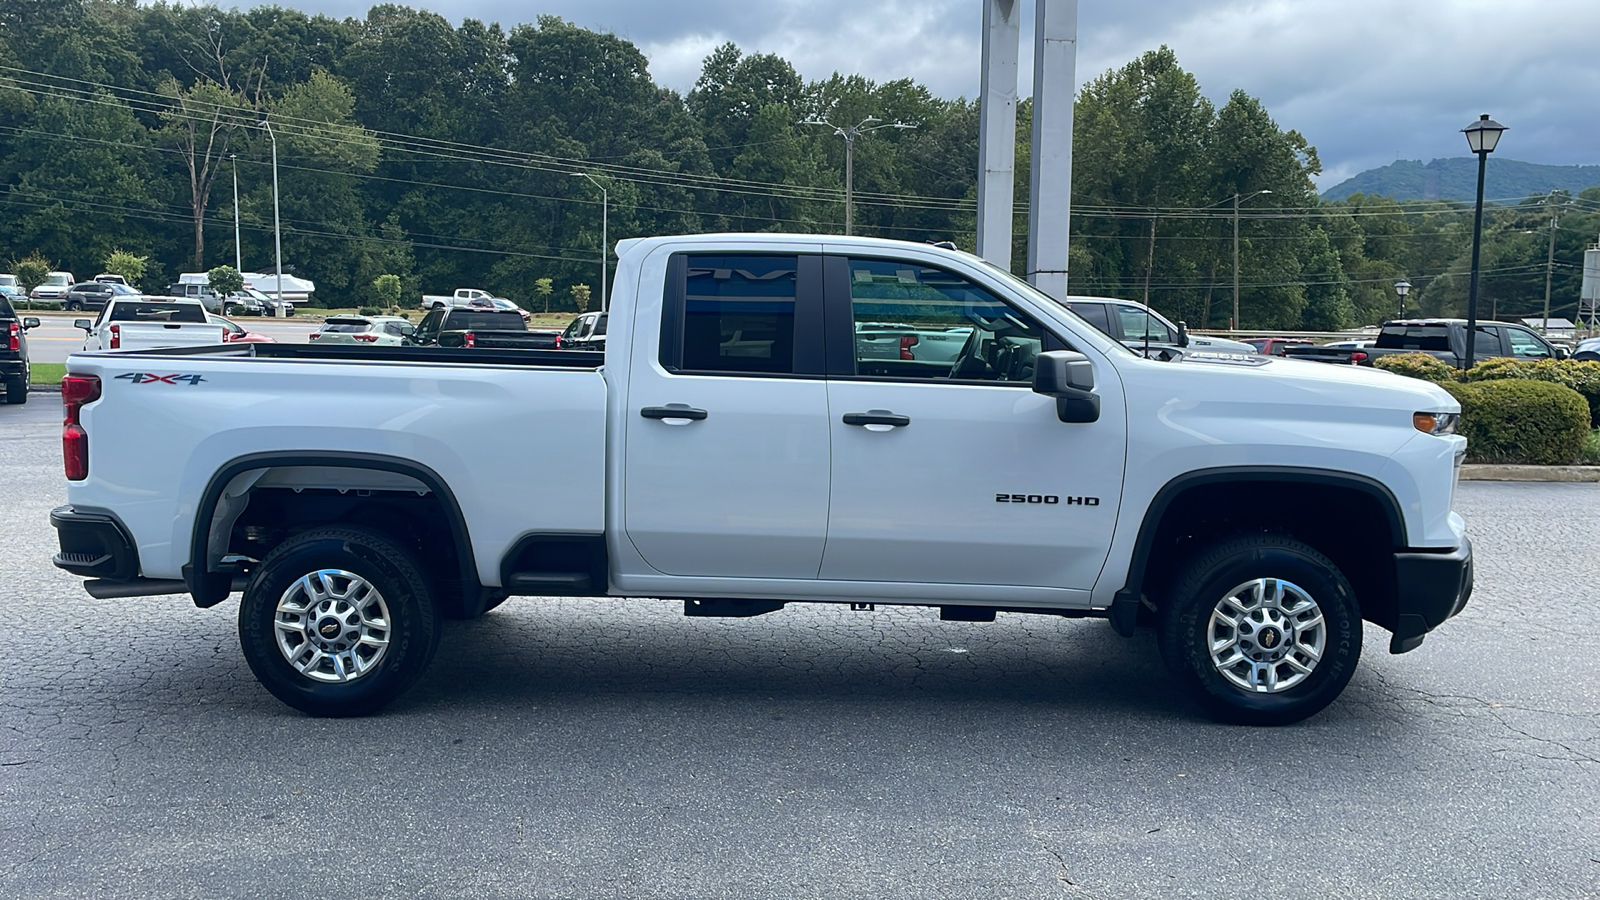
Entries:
{"x":210,"y":587}
{"x":1179,"y":499}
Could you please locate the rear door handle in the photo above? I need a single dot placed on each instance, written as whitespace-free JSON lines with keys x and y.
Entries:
{"x":877,"y":420}
{"x":674,"y":413}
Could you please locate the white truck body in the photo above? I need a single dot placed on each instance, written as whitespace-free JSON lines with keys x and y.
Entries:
{"x":150,"y":323}
{"x":461,"y":297}
{"x":778,"y":487}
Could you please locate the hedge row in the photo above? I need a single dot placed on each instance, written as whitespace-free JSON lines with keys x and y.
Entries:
{"x":1516,"y":411}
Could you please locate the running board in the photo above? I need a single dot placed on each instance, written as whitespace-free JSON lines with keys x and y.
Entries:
{"x":549,"y":582}
{"x":105,"y":589}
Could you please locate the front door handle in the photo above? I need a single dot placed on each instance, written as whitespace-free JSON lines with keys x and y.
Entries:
{"x":877,"y":420}
{"x":674,"y":413}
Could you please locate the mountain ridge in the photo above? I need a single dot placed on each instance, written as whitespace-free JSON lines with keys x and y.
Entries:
{"x":1456,"y":178}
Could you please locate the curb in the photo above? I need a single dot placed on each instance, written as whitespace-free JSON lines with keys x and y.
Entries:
{"x":1567,"y":474}
{"x":44,"y":388}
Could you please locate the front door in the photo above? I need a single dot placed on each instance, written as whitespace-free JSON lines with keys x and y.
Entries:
{"x":951,"y":469}
{"x":727,"y":458}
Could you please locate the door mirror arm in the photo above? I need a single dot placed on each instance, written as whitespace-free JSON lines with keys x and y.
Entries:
{"x":1183,"y":334}
{"x":1067,"y":376}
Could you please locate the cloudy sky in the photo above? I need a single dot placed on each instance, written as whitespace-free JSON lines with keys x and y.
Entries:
{"x":1367,"y":81}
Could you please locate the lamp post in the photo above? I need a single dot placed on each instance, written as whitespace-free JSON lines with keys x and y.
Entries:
{"x":1482,"y":136}
{"x":1236,"y":200}
{"x":850,"y":134}
{"x":1402,"y":288}
{"x":277,"y":231}
{"x":605,"y":244}
{"x":238,"y":255}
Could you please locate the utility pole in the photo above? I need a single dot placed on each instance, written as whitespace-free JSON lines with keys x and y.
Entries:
{"x":238,"y":255}
{"x":850,"y":134}
{"x":605,"y":243}
{"x":1236,"y":199}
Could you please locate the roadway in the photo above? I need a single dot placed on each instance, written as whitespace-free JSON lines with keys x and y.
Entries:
{"x":55,"y":337}
{"x":601,"y":748}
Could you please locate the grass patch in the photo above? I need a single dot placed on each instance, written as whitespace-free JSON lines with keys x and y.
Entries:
{"x":1591,"y":449}
{"x":47,"y":373}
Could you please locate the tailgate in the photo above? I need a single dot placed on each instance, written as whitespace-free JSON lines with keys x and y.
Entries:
{"x":165,"y":335}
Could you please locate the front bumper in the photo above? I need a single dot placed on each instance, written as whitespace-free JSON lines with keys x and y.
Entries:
{"x":1429,"y":588}
{"x":94,"y":544}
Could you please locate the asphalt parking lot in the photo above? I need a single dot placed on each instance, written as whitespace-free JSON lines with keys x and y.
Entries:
{"x":56,"y":338}
{"x":590,"y":748}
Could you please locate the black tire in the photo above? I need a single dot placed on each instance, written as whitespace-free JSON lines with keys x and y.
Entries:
{"x":412,"y":636}
{"x":1186,"y":629}
{"x":17,"y":391}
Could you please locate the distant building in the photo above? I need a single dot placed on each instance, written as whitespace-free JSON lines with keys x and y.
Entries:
{"x":1554,"y":327}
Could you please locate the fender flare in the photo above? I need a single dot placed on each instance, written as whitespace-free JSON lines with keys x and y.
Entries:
{"x":210,"y":588}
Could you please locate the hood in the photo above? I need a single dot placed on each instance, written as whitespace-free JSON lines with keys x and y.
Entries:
{"x":1344,"y":391}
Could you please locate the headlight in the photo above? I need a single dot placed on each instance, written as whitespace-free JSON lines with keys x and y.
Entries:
{"x":1435,"y":423}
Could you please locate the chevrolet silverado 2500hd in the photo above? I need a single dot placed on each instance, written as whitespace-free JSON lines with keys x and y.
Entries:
{"x":734,"y":449}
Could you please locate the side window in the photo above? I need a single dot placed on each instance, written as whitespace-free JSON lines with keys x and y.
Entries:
{"x":1487,"y":343}
{"x":1094,"y":314}
{"x":1139,"y":325}
{"x":600,"y":324}
{"x":429,"y":326}
{"x":917,"y":322}
{"x":1525,"y":345}
{"x":739,"y":314}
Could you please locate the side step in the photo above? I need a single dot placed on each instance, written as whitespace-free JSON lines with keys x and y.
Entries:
{"x":735,"y":608}
{"x":549,"y":582}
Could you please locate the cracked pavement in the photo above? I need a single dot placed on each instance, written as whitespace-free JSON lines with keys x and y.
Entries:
{"x":590,"y":748}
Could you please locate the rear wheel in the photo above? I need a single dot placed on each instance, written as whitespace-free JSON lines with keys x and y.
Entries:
{"x":1264,"y":629}
{"x":17,"y":390}
{"x":338,"y":622}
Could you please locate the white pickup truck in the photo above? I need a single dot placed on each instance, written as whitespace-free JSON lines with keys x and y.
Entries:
{"x":461,"y":297}
{"x":733,"y":449}
{"x":149,"y":323}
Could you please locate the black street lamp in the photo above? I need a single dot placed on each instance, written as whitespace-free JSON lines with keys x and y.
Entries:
{"x":1402,"y":288}
{"x":1482,"y":135}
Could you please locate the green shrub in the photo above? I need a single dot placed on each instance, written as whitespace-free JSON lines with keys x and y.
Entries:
{"x":1582,"y":376}
{"x":1522,"y":421}
{"x":1417,"y":365}
{"x":370,"y":311}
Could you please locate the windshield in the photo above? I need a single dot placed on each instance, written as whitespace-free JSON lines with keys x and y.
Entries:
{"x":120,"y":288}
{"x":1042,"y":297}
{"x":58,"y":279}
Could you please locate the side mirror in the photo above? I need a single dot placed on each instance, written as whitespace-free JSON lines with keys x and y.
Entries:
{"x":1561,"y":352}
{"x":1067,"y":376}
{"x":30,"y":322}
{"x":85,"y":324}
{"x":1183,"y":334}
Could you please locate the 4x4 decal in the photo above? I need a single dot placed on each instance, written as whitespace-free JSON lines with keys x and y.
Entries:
{"x":149,"y":378}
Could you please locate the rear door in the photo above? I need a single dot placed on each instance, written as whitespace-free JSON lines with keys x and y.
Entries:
{"x":959,"y":473}
{"x":726,"y":459}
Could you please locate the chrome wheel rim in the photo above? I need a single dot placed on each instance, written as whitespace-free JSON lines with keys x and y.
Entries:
{"x":1267,"y":635}
{"x":332,"y":626}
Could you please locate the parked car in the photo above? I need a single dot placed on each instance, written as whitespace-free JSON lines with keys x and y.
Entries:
{"x":1138,"y":326}
{"x":1275,"y":346}
{"x":586,"y":332}
{"x":375,"y":331}
{"x":724,"y":451}
{"x":463,"y":327}
{"x":251,"y":302}
{"x":1443,"y":338}
{"x":234,"y":333}
{"x":93,"y":295}
{"x":54,"y":287}
{"x":15,"y":370}
{"x":462,"y":297}
{"x":149,"y":323}
{"x":12,"y":293}
{"x":8,"y":283}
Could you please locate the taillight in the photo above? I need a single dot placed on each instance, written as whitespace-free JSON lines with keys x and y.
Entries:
{"x":16,"y":336}
{"x":76,"y":390}
{"x":469,"y":340}
{"x":116,"y":337}
{"x":907,"y":341}
{"x":368,"y":338}
{"x":1358,"y":357}
{"x":558,"y":342}
{"x":315,"y":335}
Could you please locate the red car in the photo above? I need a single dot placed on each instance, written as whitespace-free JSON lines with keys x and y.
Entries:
{"x":1275,"y":346}
{"x":234,"y":333}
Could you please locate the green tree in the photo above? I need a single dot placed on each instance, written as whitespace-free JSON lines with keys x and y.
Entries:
{"x":128,"y":265}
{"x":543,"y":288}
{"x":580,"y":297}
{"x":31,"y":271}
{"x":387,"y":288}
{"x":225,"y":280}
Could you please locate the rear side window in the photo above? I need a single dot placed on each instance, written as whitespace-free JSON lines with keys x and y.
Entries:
{"x":1415,"y":337}
{"x":6,"y":312}
{"x":158,"y":312}
{"x":739,"y":314}
{"x":474,"y":320}
{"x":1094,"y":314}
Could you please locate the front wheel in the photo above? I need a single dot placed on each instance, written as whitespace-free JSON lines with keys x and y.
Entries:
{"x":1264,"y":629}
{"x":338,"y":622}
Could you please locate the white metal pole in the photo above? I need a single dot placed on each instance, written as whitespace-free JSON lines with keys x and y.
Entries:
{"x":238,"y":255}
{"x":277,"y":231}
{"x":1235,"y":323}
{"x":605,"y":242}
{"x":849,"y":182}
{"x":1055,"y":55}
{"x":997,"y":137}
